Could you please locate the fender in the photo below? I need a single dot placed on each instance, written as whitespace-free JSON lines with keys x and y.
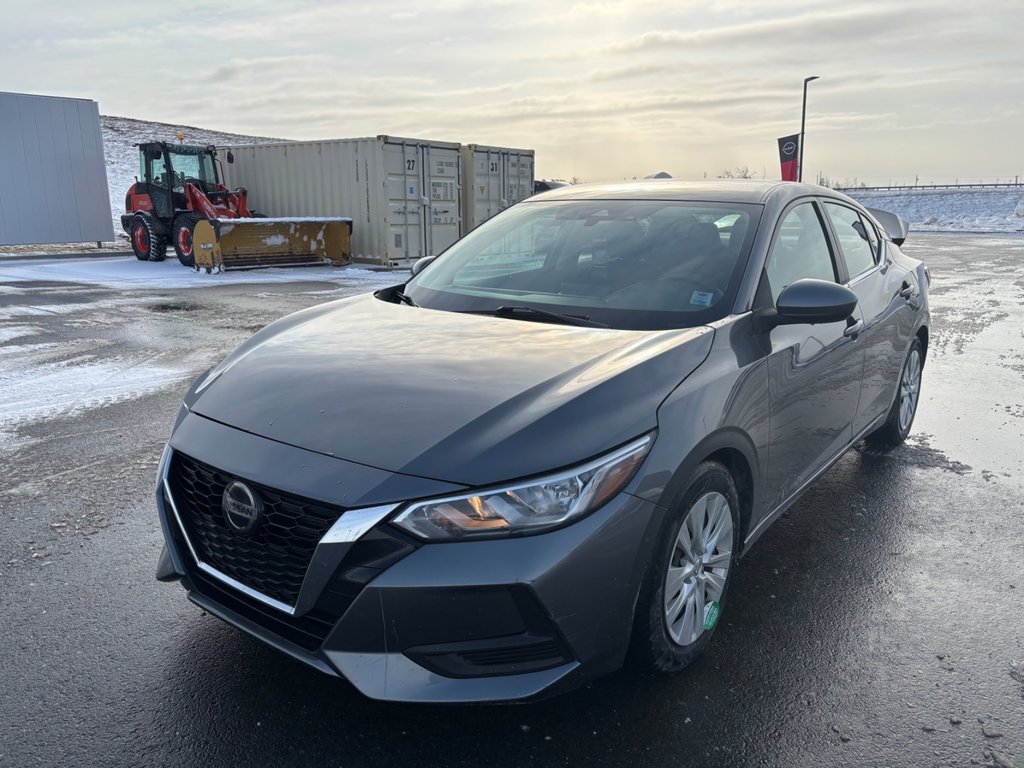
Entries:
{"x":748,"y":483}
{"x":159,"y":226}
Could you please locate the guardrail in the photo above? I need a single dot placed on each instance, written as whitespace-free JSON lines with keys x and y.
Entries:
{"x":899,"y":187}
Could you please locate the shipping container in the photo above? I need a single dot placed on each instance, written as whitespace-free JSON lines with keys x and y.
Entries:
{"x":403,"y":195}
{"x":493,"y":178}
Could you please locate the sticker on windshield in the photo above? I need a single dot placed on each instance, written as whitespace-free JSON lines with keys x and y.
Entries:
{"x":702,"y":298}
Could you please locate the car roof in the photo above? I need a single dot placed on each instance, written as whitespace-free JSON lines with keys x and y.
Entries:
{"x":710,"y":190}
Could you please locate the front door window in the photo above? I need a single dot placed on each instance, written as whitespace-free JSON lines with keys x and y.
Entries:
{"x":800,"y":251}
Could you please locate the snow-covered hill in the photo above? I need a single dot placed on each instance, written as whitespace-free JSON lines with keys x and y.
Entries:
{"x":951,"y":210}
{"x":974,"y":210}
{"x":121,"y":134}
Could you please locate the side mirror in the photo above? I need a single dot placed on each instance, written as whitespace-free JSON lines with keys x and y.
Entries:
{"x":231,"y":157}
{"x":420,"y":264}
{"x":895,"y":226}
{"x":154,"y":154}
{"x":812,"y":301}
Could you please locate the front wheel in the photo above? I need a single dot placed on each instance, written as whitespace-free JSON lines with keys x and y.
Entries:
{"x":901,"y":415}
{"x":686,"y":582}
{"x":183,"y":230}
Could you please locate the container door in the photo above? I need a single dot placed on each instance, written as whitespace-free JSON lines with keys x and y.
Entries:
{"x":488,"y":185}
{"x":518,"y":177}
{"x":444,"y":205}
{"x":403,"y":164}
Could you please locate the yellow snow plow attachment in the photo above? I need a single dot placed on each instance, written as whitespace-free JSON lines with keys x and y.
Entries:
{"x":248,"y":243}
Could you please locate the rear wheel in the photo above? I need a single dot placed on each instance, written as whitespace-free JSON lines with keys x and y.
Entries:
{"x":182,"y":231}
{"x":901,"y":415}
{"x":684,"y":589}
{"x":147,"y":245}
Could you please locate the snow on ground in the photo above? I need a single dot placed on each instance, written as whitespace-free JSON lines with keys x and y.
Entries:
{"x":40,"y":381}
{"x":11,"y":332}
{"x":32,"y":388}
{"x":127,"y":273}
{"x":26,"y":312}
{"x":951,"y":210}
{"x":121,"y":134}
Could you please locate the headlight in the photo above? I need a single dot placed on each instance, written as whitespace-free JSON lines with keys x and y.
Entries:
{"x":529,"y":508}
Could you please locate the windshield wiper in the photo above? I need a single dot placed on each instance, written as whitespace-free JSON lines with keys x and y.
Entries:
{"x":403,"y":299}
{"x":581,"y":320}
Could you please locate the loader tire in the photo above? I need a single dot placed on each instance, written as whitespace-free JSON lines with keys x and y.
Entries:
{"x":182,"y":231}
{"x":147,"y":245}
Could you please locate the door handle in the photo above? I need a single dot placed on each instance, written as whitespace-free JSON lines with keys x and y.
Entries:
{"x":853,"y":328}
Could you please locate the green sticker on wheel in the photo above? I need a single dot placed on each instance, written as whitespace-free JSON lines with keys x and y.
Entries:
{"x":711,"y":615}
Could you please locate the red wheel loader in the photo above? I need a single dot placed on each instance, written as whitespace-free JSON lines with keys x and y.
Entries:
{"x":179,"y":199}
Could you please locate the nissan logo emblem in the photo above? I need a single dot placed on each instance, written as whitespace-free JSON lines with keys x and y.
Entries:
{"x":242,"y":507}
{"x":789,"y":147}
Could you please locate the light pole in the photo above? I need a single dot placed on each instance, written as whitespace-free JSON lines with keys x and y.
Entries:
{"x":803,"y":119}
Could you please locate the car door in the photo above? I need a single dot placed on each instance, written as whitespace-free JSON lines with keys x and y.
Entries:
{"x":883,"y":289}
{"x":814,"y":371}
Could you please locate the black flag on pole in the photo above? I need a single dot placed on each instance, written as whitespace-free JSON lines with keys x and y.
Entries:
{"x":789,"y":148}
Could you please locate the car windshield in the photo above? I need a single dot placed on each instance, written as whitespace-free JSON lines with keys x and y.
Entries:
{"x":628,"y":264}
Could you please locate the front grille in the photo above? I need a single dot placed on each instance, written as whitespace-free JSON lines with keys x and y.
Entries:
{"x":308,"y":632}
{"x":272,"y":559}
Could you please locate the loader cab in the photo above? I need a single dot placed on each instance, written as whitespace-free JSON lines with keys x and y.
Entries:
{"x":165,"y":169}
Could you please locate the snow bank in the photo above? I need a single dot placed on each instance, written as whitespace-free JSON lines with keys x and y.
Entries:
{"x":951,"y":210}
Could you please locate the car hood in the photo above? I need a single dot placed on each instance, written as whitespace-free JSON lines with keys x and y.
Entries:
{"x":467,"y":399}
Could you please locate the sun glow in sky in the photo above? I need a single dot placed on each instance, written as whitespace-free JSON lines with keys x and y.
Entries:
{"x":602,"y":90}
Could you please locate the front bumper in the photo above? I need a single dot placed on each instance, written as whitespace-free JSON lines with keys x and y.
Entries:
{"x":498,"y":620}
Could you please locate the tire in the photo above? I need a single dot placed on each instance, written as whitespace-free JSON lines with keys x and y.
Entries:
{"x":181,"y":233}
{"x":147,"y":245}
{"x":258,"y":215}
{"x":670,"y":635}
{"x":904,"y":407}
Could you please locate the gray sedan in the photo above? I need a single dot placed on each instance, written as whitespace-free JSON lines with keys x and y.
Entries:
{"x":546,"y":452}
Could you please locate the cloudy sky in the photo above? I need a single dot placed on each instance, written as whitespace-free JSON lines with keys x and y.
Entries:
{"x":602,"y":89}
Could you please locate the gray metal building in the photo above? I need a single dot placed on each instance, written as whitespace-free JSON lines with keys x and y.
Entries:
{"x":53,"y":179}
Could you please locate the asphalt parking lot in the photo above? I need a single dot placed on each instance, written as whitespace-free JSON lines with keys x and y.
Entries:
{"x":879,"y":622}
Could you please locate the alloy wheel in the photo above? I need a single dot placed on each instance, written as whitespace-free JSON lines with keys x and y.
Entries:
{"x":698,"y":568}
{"x":910,"y":389}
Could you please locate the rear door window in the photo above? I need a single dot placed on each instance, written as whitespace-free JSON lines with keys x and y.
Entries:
{"x":852,"y":231}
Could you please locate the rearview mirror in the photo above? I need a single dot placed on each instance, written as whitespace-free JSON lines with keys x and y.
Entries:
{"x":813,"y":301}
{"x":154,"y":154}
{"x":420,"y":264}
